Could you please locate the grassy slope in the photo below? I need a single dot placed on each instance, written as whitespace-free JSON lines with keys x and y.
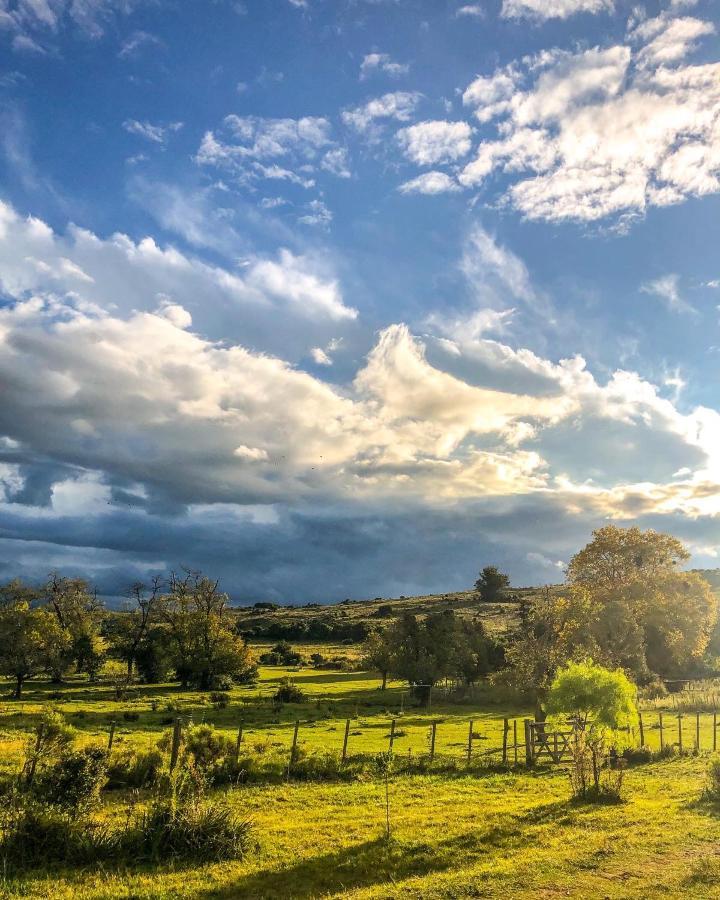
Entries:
{"x":455,"y":835}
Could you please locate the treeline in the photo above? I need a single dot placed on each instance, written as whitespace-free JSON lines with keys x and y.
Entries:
{"x":426,"y":651}
{"x":626,"y":604}
{"x":181,"y":629}
{"x":310,"y":629}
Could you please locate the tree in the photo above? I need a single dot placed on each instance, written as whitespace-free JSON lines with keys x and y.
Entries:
{"x":423,"y":651}
{"x":601,"y":706}
{"x":203,"y":644}
{"x":78,"y":612}
{"x":618,"y":556}
{"x":31,"y":640}
{"x":635,"y":581}
{"x":130,"y":630}
{"x":626,"y":605}
{"x":491,"y":584}
{"x":378,"y":655}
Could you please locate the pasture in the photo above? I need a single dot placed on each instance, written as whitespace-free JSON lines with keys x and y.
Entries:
{"x":458,"y":830}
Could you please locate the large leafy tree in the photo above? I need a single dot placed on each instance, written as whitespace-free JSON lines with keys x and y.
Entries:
{"x":422,"y":651}
{"x":31,"y":640}
{"x":203,"y":644}
{"x":626,"y":604}
{"x":78,"y":612}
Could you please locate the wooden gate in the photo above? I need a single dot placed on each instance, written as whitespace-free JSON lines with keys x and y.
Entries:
{"x":539,"y":742}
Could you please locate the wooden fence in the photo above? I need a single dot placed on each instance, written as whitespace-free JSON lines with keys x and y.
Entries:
{"x":530,"y":744}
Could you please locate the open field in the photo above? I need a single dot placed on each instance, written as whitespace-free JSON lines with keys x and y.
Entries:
{"x":458,"y":833}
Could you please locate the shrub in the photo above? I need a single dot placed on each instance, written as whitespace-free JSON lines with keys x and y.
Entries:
{"x":712,"y":787}
{"x":131,"y":716}
{"x":35,"y":835}
{"x":220,"y":698}
{"x":288,"y":693}
{"x":134,"y":769}
{"x":206,"y":747}
{"x":197,"y":830}
{"x":75,"y":780}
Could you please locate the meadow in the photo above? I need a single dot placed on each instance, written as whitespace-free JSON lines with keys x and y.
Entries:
{"x":458,"y":830}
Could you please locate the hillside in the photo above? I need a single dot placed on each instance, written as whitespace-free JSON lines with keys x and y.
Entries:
{"x":349,"y":618}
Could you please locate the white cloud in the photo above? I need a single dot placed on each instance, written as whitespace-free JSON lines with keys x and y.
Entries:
{"x":430,"y":183}
{"x":398,"y":106}
{"x":430,"y":143}
{"x":381,"y":62}
{"x":317,"y":214}
{"x":553,"y":9}
{"x":157,"y":134}
{"x":667,"y":288}
{"x":320,"y":357}
{"x":252,"y":147}
{"x":471,"y":9}
{"x":280,"y":301}
{"x":667,"y":40}
{"x":602,"y":132}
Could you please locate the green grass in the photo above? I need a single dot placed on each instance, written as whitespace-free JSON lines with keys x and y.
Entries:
{"x":455,"y":835}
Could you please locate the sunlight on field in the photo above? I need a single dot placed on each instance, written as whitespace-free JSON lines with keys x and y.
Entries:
{"x":454,"y":834}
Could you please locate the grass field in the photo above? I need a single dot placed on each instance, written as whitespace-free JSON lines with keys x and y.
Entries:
{"x":476,"y":833}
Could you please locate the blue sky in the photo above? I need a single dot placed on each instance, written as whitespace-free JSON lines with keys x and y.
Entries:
{"x":351,"y":298}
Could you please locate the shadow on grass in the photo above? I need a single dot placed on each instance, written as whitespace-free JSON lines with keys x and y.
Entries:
{"x":378,"y":861}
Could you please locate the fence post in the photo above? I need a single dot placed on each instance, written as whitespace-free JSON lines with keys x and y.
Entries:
{"x":175,"y":749}
{"x":529,"y":756}
{"x":506,"y":729}
{"x":662,"y":740}
{"x":345,"y":740}
{"x":515,"y":747}
{"x":429,"y":700}
{"x":642,"y":730}
{"x":470,"y":742}
{"x":111,"y":736}
{"x":238,"y":741}
{"x":392,"y":735}
{"x":293,"y":749}
{"x":33,"y":761}
{"x":714,"y":730}
{"x":679,"y":718}
{"x":432,"y":741}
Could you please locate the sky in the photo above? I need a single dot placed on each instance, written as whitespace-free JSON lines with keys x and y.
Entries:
{"x":350,"y":298}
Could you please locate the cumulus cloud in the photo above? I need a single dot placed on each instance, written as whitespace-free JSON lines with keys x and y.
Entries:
{"x":157,"y":134}
{"x":430,"y":143}
{"x":34,"y":24}
{"x":471,"y":9}
{"x":553,"y":9}
{"x":381,"y":62}
{"x":603,"y":132}
{"x":430,"y":183}
{"x":292,"y":150}
{"x":278,"y":302}
{"x":398,"y":106}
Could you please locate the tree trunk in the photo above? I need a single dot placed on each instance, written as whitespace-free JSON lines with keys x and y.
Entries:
{"x":130,"y":669}
{"x":18,"y":686}
{"x":384,"y":681}
{"x":540,"y":716}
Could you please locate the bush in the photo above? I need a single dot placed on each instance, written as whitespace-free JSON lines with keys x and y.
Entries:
{"x":35,"y":835}
{"x":288,"y":693}
{"x":131,"y":716}
{"x":74,"y":781}
{"x":712,"y":787}
{"x":196,"y":830}
{"x":134,"y":769}
{"x":206,"y":747}
{"x":220,"y":698}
